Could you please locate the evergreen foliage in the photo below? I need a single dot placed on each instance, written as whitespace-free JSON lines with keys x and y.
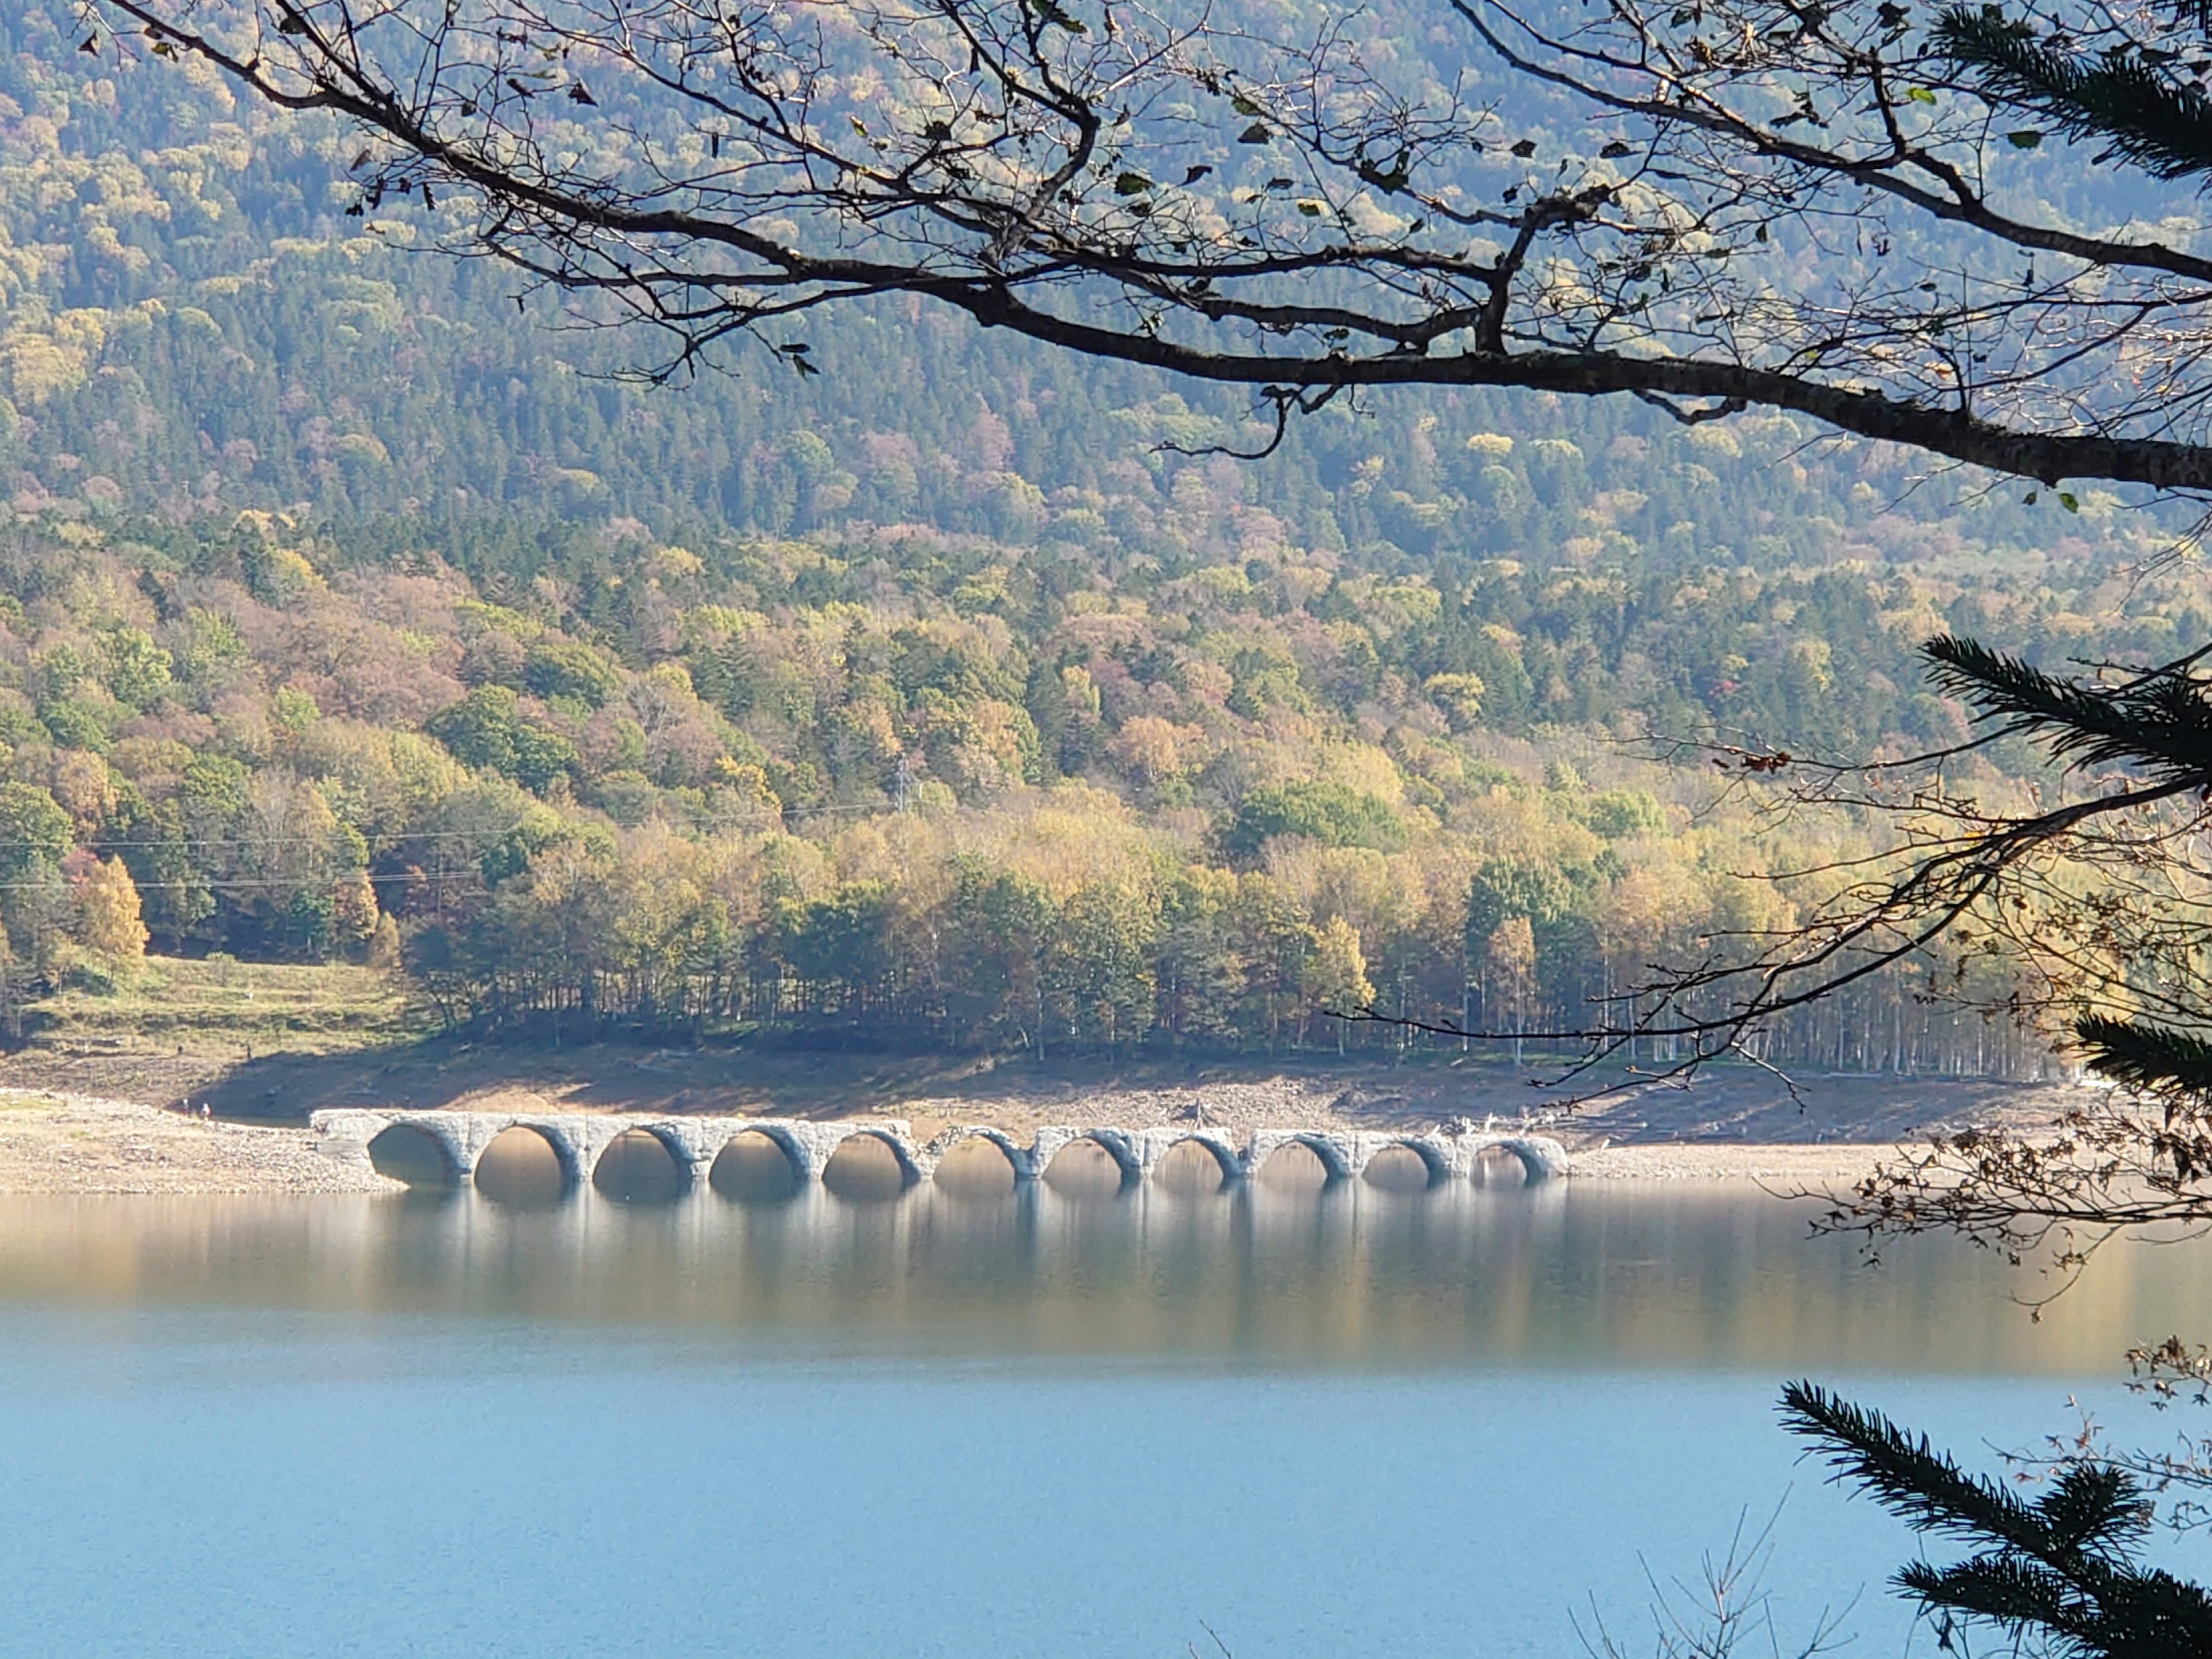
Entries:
{"x":2155,"y":724}
{"x":2121,"y":97}
{"x":2146,"y":1057}
{"x":2060,"y":1574}
{"x":2158,"y":722}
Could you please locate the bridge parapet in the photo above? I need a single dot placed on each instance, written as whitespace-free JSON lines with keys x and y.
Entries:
{"x":580,"y":1139}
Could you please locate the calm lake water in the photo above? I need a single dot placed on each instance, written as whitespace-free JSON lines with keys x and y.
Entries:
{"x":1344,"y":1422}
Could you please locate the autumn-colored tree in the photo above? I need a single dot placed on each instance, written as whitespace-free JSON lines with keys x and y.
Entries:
{"x":107,"y":915}
{"x":1510,"y":959}
{"x":1336,"y":973}
{"x":383,"y":951}
{"x":354,"y":913}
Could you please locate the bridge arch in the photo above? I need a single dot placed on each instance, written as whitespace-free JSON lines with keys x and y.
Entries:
{"x":976,"y":1162}
{"x":527,"y":1164}
{"x":1195,"y":1152}
{"x":761,"y":1162}
{"x":1293,"y":1170}
{"x":411,"y":1153}
{"x":1540,"y":1159}
{"x":642,"y":1165}
{"x":1090,"y":1163}
{"x":1406,"y":1165}
{"x":869,"y":1165}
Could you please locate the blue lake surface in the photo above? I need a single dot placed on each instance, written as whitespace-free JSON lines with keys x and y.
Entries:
{"x":1315,"y":1425}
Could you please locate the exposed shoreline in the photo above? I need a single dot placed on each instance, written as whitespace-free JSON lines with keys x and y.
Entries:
{"x":58,"y":1144}
{"x":63,"y":1141}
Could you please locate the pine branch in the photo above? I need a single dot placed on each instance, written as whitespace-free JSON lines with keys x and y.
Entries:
{"x":2161,"y":724}
{"x":1906,"y":1475}
{"x":2117,"y":98}
{"x":2061,"y":1574}
{"x":2151,"y":1058}
{"x":2008,"y":1590}
{"x":2094,"y":1509}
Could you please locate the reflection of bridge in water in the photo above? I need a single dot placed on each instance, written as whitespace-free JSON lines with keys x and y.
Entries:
{"x":447,"y":1146}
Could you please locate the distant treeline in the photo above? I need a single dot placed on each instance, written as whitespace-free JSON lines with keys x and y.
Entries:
{"x":961,"y":795}
{"x":191,"y":323}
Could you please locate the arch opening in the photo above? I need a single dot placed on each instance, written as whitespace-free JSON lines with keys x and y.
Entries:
{"x":1189,"y":1170}
{"x":976,"y":1167}
{"x":522,"y":1170}
{"x":1294,"y":1167}
{"x":1499,"y":1166}
{"x":1399,"y":1169}
{"x":753,"y":1168}
{"x":864,"y":1169}
{"x":404,"y":1152}
{"x":638,"y":1168}
{"x":1085,"y":1170}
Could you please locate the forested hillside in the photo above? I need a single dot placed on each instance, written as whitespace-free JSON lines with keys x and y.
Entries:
{"x":937,"y":791}
{"x":927,"y":699}
{"x":193,"y":324}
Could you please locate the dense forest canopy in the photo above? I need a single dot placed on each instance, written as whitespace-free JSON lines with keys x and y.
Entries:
{"x":1725,"y":205}
{"x":927,"y":695}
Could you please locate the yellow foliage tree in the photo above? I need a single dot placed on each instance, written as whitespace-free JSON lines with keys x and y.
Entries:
{"x":1336,"y":972}
{"x":384,"y":944}
{"x":1511,"y":957}
{"x":107,"y":915}
{"x":354,"y":913}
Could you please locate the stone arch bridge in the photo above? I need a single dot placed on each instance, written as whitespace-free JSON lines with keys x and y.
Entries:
{"x":580,"y":1141}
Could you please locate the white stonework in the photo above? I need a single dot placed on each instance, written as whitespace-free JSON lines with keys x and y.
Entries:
{"x":580,"y":1139}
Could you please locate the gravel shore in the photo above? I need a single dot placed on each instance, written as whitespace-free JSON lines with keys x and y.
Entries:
{"x":57,"y":1141}
{"x":54,"y":1143}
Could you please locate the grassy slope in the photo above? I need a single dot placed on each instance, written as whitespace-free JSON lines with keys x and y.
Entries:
{"x":220,"y":1008}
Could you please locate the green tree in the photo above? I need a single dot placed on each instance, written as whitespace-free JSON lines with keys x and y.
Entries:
{"x":487,"y":730}
{"x":137,"y":670}
{"x":1332,"y":814}
{"x":1098,"y":968}
{"x":34,"y":831}
{"x":843,"y":940}
{"x":569,"y":668}
{"x":1003,"y":922}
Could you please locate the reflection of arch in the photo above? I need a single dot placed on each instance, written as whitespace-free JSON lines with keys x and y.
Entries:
{"x":514,"y":1166}
{"x":642,"y":1165}
{"x":755,"y":1164}
{"x":409,"y":1153}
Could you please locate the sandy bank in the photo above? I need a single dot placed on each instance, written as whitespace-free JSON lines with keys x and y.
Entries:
{"x":62,"y":1142}
{"x":54,"y":1143}
{"x":1784,"y":1167}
